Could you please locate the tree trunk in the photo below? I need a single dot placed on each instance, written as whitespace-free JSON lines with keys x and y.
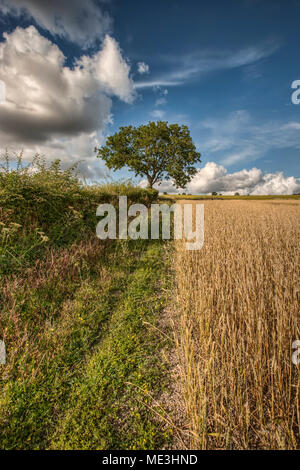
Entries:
{"x":150,"y":182}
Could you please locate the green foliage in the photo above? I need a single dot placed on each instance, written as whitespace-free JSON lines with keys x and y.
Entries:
{"x":46,"y":206}
{"x":82,"y":359}
{"x":156,"y":150}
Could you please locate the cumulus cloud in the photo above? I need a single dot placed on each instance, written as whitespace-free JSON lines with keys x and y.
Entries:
{"x":143,"y":68}
{"x":51,"y":108}
{"x":213,"y":177}
{"x":79,"y":21}
{"x":276,"y":183}
{"x":78,"y":149}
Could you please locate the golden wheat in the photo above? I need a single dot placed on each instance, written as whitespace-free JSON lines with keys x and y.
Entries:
{"x":237,"y":315}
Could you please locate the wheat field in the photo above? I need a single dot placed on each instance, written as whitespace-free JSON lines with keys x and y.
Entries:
{"x":237,"y":315}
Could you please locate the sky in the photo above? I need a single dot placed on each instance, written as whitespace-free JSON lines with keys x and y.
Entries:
{"x":72,"y":73}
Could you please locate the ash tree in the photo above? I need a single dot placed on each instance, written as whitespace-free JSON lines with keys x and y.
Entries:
{"x":156,"y":151}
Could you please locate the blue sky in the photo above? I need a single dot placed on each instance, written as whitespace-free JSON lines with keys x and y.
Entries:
{"x":223,"y":68}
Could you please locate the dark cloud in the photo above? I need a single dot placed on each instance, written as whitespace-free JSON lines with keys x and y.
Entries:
{"x":79,"y":21}
{"x":53,"y":109}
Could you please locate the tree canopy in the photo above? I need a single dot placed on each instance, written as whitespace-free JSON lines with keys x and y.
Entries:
{"x":155,"y":150}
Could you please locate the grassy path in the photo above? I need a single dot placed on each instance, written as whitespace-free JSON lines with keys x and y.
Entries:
{"x":83,"y":361}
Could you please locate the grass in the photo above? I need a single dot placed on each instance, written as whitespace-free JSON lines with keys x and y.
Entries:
{"x":81,"y":358}
{"x":236,"y":316}
{"x":84,"y":365}
{"x":88,"y":336}
{"x":107,"y":408}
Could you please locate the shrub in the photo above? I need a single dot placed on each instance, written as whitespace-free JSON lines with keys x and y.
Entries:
{"x":45,"y":205}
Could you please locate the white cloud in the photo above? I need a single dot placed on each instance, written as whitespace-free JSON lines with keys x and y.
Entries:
{"x":158,"y":113}
{"x":192,"y":66}
{"x":79,"y":21}
{"x":160,"y":102}
{"x":51,"y":108}
{"x":157,"y":83}
{"x":161,"y":91}
{"x":111,"y":70}
{"x":214,"y":177}
{"x":276,"y":183}
{"x":249,"y":152}
{"x":170,"y":117}
{"x":237,"y":137}
{"x":291,"y":125}
{"x":78,"y":149}
{"x":143,"y":68}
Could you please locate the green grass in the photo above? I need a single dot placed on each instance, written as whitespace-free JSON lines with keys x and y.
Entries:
{"x":109,"y":404}
{"x":84,"y":365}
{"x":82,"y":378}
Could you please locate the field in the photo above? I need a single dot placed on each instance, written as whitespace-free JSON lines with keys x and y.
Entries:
{"x":124,"y":344}
{"x":205,"y":197}
{"x":236,"y":316}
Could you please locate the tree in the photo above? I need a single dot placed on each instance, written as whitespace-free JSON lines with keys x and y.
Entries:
{"x":155,"y":150}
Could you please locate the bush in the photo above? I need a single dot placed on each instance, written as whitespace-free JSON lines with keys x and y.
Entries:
{"x":46,"y":205}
